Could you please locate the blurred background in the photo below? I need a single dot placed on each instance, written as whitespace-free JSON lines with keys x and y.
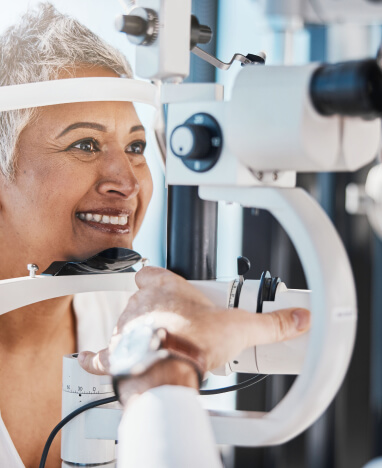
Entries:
{"x":290,"y":32}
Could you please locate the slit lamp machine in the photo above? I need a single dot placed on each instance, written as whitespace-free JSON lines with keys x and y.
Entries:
{"x":279,"y":120}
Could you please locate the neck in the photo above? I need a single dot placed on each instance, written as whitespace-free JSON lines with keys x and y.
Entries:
{"x":38,"y":327}
{"x":41,"y":327}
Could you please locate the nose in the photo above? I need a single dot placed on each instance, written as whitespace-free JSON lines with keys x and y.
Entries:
{"x":117,"y":177}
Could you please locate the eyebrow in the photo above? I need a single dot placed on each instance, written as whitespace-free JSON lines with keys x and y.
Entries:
{"x":94,"y":126}
{"x":137,"y":128}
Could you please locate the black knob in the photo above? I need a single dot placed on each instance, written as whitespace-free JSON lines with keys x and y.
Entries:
{"x":243,"y":265}
{"x":267,"y":289}
{"x":349,"y":88}
{"x":141,"y":26}
{"x":131,"y":25}
{"x":191,"y":141}
{"x":198,"y":142}
{"x":200,"y":33}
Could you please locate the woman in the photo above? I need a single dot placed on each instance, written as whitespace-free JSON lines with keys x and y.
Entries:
{"x":74,"y":181}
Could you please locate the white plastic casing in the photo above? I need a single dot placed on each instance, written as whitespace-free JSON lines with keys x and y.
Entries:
{"x":228,"y":170}
{"x":168,"y":58}
{"x":373,"y":190}
{"x":274,"y":126}
{"x":270,"y":126}
{"x":79,"y":388}
{"x":360,"y":143}
{"x":217,"y":292}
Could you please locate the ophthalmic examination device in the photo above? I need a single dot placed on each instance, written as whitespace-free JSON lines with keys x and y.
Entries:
{"x":279,"y":120}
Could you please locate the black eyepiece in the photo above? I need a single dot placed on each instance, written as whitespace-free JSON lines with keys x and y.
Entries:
{"x":349,"y":88}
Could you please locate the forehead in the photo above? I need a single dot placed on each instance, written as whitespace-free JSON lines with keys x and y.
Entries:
{"x":108,"y":114}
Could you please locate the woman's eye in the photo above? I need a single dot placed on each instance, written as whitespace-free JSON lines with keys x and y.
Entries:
{"x":138,"y":147}
{"x":89,"y":146}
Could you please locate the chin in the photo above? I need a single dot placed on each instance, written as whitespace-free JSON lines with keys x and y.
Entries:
{"x":89,"y":252}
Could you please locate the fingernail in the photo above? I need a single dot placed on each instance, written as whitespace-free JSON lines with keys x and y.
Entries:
{"x":301,"y":318}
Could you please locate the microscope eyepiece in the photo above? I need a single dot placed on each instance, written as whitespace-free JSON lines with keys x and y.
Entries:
{"x":349,"y":88}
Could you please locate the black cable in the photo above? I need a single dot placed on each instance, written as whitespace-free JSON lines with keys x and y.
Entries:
{"x":93,"y":404}
{"x":68,"y":418}
{"x":232,"y":388}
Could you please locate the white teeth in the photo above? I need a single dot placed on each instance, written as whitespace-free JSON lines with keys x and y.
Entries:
{"x":104,"y":219}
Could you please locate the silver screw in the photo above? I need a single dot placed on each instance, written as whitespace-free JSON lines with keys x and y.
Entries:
{"x":263,"y":55}
{"x":145,"y":262}
{"x":275,"y":176}
{"x":259,"y":175}
{"x":32,"y":270}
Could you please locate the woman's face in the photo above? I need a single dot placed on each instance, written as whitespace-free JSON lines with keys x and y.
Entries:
{"x":82,"y":183}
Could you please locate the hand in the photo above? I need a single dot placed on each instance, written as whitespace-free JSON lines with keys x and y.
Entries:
{"x":176,"y":305}
{"x":168,"y":372}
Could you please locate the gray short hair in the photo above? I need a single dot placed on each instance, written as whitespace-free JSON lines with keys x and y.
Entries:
{"x":38,"y":48}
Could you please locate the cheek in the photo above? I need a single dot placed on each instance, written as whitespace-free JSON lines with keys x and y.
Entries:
{"x":144,"y":197}
{"x":147,"y":188}
{"x":51,"y":192}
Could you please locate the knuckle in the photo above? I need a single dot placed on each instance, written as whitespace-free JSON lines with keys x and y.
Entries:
{"x":168,"y":281}
{"x":280,"y":325}
{"x":163,"y":281}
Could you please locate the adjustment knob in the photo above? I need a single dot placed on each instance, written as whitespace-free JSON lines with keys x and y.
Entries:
{"x":197,"y":142}
{"x":141,"y":26}
{"x":243,"y":265}
{"x":191,"y":141}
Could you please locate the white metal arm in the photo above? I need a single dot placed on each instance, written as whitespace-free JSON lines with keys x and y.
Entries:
{"x":19,"y":292}
{"x":332,"y":335}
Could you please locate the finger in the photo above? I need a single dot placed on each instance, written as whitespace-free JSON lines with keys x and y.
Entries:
{"x":277,"y":326}
{"x":139,"y":305}
{"x":95,"y":363}
{"x":154,"y":280}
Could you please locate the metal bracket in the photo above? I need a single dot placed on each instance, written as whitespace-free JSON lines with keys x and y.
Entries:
{"x":222,"y":65}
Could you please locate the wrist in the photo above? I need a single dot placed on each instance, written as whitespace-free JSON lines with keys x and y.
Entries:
{"x":166,"y":372}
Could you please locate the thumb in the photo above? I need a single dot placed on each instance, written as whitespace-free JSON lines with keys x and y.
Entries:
{"x":279,"y":325}
{"x":95,"y":363}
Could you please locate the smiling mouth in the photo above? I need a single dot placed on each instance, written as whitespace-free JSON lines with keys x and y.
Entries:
{"x":114,"y":223}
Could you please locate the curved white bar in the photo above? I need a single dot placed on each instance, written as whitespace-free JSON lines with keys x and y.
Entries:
{"x":19,"y":292}
{"x":333,"y":307}
{"x":47,"y":93}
